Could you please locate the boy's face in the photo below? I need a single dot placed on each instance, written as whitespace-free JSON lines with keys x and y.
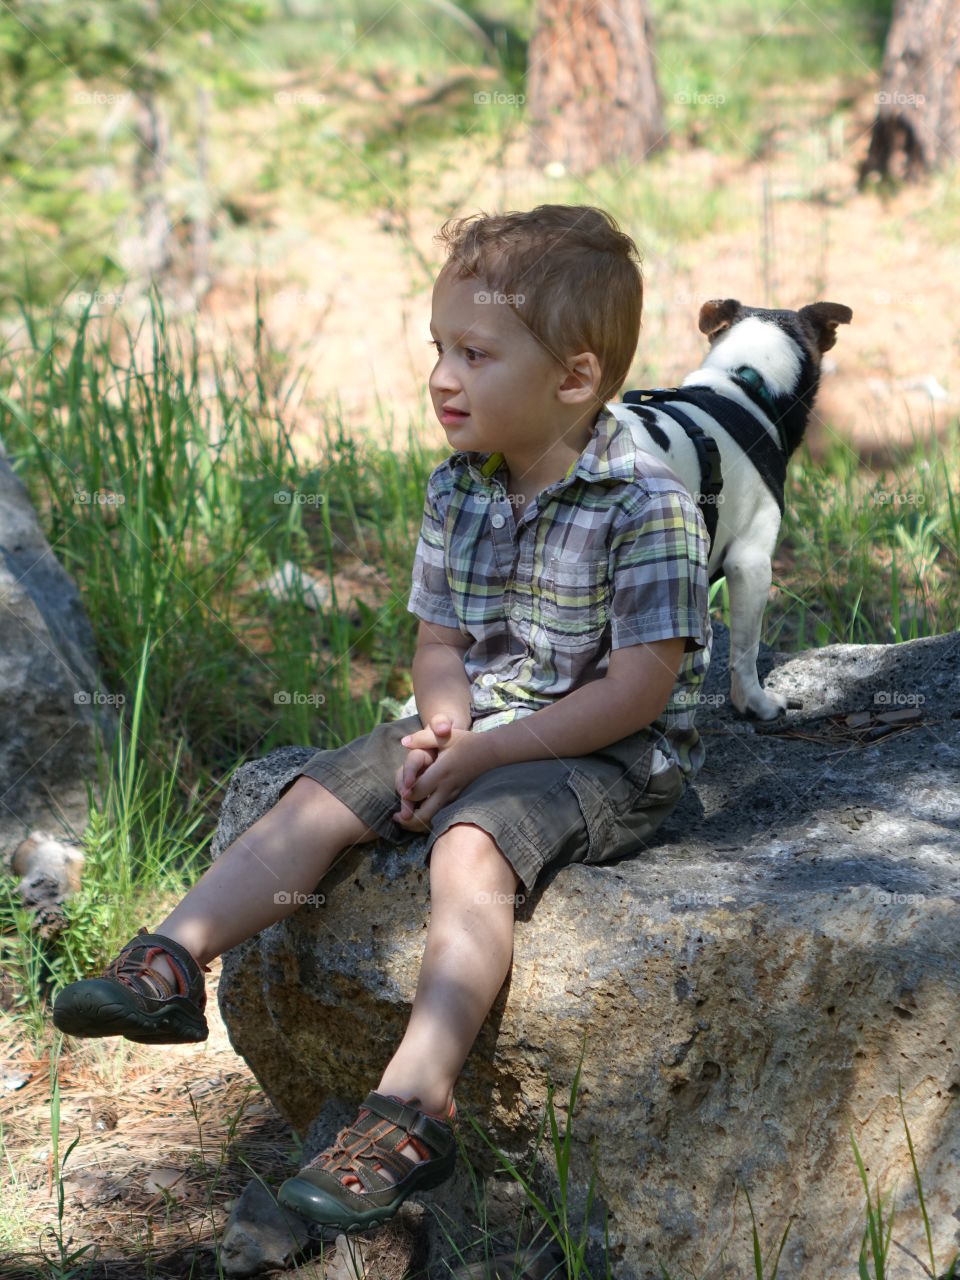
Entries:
{"x":492,"y":369}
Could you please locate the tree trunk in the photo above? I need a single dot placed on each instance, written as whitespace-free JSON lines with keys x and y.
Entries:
{"x":591,"y":84}
{"x":917,"y":126}
{"x":201,"y":226}
{"x":149,"y":173}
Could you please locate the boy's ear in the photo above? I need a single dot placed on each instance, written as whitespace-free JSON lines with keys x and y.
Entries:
{"x":582,"y":380}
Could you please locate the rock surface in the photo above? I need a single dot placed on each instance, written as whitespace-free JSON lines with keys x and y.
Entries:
{"x":50,"y":696}
{"x":750,"y":989}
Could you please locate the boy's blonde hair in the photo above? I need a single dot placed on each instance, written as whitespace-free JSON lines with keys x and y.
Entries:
{"x":569,"y":273}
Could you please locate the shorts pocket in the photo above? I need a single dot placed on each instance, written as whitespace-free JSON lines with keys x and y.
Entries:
{"x":575,"y":598}
{"x":597,"y":818}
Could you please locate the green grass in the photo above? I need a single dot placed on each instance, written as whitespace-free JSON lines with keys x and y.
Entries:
{"x":768,"y":62}
{"x":162,"y":501}
{"x":171,"y":501}
{"x":870,"y":555}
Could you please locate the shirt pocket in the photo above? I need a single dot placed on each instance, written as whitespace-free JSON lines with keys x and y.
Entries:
{"x":575,"y":597}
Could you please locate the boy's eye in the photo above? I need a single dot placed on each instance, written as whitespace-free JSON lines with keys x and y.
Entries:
{"x":472,"y":354}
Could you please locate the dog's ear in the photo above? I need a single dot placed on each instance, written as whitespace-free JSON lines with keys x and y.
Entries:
{"x":824,"y":318}
{"x":717,"y":315}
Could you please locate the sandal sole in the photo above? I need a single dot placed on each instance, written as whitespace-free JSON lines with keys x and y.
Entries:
{"x":96,"y":1012}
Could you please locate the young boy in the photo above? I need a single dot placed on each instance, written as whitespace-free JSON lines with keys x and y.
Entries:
{"x":561,"y":584}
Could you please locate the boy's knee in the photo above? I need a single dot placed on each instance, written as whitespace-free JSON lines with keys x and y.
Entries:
{"x":466,"y":842}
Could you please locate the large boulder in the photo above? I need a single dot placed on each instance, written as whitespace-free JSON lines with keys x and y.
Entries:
{"x":751,"y":990}
{"x":51,"y":702}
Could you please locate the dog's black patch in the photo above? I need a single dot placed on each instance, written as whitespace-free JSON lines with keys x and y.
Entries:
{"x":656,"y":434}
{"x":792,"y":409}
{"x":756,"y":442}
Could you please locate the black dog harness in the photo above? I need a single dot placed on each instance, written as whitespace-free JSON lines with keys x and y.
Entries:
{"x":769,"y":459}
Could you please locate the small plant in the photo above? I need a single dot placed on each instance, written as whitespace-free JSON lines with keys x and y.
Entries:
{"x":950,"y":1273}
{"x":66,"y":1264}
{"x":758,"y":1262}
{"x":757,"y":1256}
{"x":874,"y":1230}
{"x":556,"y":1214}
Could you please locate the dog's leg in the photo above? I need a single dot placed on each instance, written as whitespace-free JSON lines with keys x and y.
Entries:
{"x":748,"y":572}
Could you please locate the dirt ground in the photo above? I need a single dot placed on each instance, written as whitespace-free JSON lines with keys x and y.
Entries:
{"x":149,"y":1173}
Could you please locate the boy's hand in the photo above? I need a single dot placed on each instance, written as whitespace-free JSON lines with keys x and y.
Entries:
{"x":419,"y":757}
{"x":437,"y":734}
{"x":417,"y":760}
{"x":453,"y":758}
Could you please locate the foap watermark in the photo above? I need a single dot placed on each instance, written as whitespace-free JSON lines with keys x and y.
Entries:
{"x":96,"y":98}
{"x":486,"y":98}
{"x":697,"y":698}
{"x":696,"y":898}
{"x":295,"y":498}
{"x":99,"y":498}
{"x":99,"y":299}
{"x":296,"y":698}
{"x":515,"y":499}
{"x":882,"y":499}
{"x":886,"y":99}
{"x":693,"y":98}
{"x":485,"y":898}
{"x":98,"y":698}
{"x":894,"y":698}
{"x":288,"y":898}
{"x":711,"y":499}
{"x":884,"y":899}
{"x":298,"y":98}
{"x":483,"y":296}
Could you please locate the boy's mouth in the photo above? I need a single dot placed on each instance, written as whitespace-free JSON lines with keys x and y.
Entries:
{"x":448,"y":415}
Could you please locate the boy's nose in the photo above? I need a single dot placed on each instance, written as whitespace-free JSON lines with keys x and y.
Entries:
{"x":442,"y":377}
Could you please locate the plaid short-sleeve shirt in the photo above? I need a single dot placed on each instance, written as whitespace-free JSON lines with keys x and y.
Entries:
{"x":613,"y":554}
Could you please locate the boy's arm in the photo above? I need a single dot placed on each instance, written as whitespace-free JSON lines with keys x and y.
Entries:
{"x":439,"y":677}
{"x":659,"y":553}
{"x":632,"y":694}
{"x":440,"y":681}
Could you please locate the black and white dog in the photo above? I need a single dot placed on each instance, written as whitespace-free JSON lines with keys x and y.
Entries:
{"x":728,"y":432}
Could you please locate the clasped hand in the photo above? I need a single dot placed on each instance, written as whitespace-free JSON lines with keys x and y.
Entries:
{"x":441,"y":762}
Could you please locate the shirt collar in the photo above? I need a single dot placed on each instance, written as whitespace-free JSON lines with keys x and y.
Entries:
{"x":608,"y":455}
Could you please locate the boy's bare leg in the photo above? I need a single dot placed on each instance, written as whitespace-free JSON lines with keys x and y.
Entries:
{"x":467,"y":955}
{"x":287,"y":851}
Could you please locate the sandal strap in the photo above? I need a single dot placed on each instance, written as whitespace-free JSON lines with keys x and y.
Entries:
{"x":133,"y":968}
{"x":436,"y":1133}
{"x":376,"y":1138}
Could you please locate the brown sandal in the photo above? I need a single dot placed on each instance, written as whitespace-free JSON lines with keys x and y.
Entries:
{"x":134,"y":1000}
{"x":374,"y":1142}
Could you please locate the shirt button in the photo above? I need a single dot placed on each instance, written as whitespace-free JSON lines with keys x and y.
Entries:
{"x":516,"y":613}
{"x":488,"y":680}
{"x":498,"y":521}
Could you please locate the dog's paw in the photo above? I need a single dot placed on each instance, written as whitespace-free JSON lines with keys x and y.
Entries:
{"x":759,"y":705}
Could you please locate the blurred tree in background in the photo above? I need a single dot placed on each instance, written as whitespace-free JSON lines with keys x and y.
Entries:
{"x":917,"y":128}
{"x":592,"y":89}
{"x":78,"y":79}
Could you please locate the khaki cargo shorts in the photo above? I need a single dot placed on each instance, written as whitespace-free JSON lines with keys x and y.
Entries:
{"x":540,"y":813}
